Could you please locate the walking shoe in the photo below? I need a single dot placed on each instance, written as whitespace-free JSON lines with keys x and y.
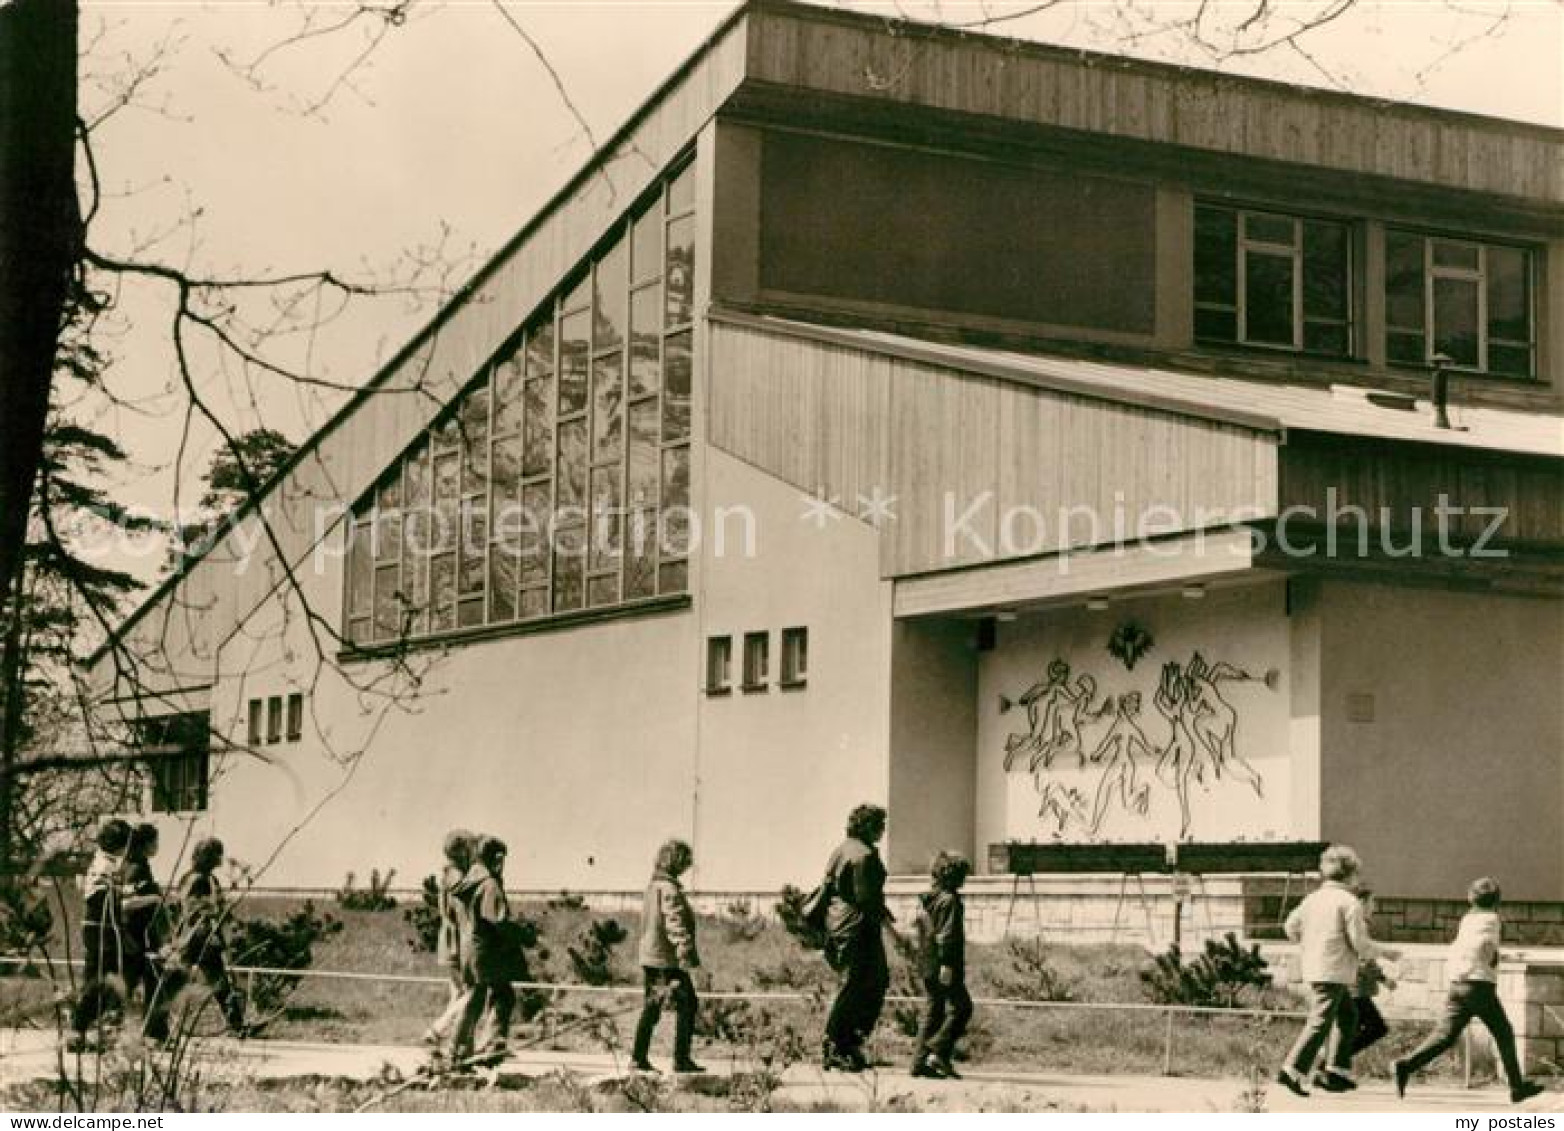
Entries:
{"x":1289,"y":1080}
{"x":641,"y":1064}
{"x":922,"y":1068}
{"x":1401,"y":1074}
{"x":944,"y":1068}
{"x":833,"y":1061}
{"x":1525,"y":1090}
{"x":687,"y":1068}
{"x":1330,"y":1081}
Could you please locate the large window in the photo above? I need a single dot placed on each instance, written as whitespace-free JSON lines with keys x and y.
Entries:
{"x":1470,"y":301}
{"x":560,"y":480}
{"x":177,"y":760}
{"x":1275,"y":281}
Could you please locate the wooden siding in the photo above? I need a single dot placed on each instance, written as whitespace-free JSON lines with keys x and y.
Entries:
{"x":846,"y":423}
{"x":1390,"y":480}
{"x":841,"y":54}
{"x":177,"y":634}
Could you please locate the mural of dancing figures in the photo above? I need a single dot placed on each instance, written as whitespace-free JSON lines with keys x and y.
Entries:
{"x":1200,"y":749}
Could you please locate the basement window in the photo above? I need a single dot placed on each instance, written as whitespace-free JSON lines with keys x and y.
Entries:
{"x":757,"y":660}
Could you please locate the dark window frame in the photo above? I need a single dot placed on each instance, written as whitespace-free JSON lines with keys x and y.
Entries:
{"x":273,"y":720}
{"x":295,"y":716}
{"x":795,"y":657}
{"x":719,"y":665}
{"x":757,"y":661}
{"x":255,"y":725}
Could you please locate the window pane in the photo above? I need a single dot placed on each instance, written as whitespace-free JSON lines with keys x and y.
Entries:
{"x":1325,"y":337}
{"x":646,"y":240}
{"x":445,"y":514}
{"x":538,"y":451}
{"x":676,"y":502}
{"x":415,"y":475}
{"x":1216,"y":325}
{"x":1268,"y":283}
{"x":469,"y":614}
{"x":386,"y":537}
{"x":679,"y":279}
{"x":1406,"y":347}
{"x":447,"y":435}
{"x":360,"y":564}
{"x":1216,"y":256}
{"x":540,"y":349}
{"x":388,"y":497}
{"x":573,"y":364}
{"x":506,"y":485}
{"x":1512,"y":361}
{"x":475,"y":542}
{"x":607,"y":516}
{"x":359,"y":631}
{"x":475,"y":441}
{"x":534,"y":530}
{"x":1509,"y":294}
{"x":607,"y":408}
{"x":442,"y":592}
{"x":681,"y":192}
{"x":387,"y":606}
{"x":507,"y":397}
{"x":641,"y":554}
{"x":502,"y":583}
{"x":643,"y":454}
{"x":1326,"y":264}
{"x":1404,"y":281}
{"x":534,"y":603}
{"x":415,"y":578}
{"x":1270,"y":229}
{"x":611,"y":291}
{"x":1448,"y":254}
{"x":603,"y":590}
{"x":580,"y":291}
{"x":1455,"y":320}
{"x":673,"y":577}
{"x":676,"y":393}
{"x":572,"y":464}
{"x":567,"y":572}
{"x":644,"y":337}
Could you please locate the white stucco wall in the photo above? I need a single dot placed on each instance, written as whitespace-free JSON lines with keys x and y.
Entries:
{"x":575,"y":746}
{"x":1244,"y":627}
{"x":780,"y":769}
{"x":1454,"y":767}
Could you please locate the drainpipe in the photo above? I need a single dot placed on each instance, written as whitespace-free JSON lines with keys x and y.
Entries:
{"x":1441,"y":389}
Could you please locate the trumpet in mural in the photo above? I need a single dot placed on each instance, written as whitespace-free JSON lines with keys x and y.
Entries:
{"x":1201,"y":747}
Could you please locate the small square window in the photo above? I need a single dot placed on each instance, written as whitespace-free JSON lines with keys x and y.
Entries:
{"x":255,"y":731}
{"x":795,"y":657}
{"x":719,"y":661}
{"x":274,"y":719}
{"x":757,"y":660}
{"x":295,"y":717}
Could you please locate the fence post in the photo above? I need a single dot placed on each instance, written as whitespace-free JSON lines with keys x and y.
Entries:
{"x":1167,"y":1046}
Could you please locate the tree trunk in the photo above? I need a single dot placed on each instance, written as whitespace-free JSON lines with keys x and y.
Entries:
{"x":40,"y":240}
{"x":12,"y":670}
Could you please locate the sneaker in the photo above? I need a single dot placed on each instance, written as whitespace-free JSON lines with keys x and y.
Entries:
{"x":1333,"y":1081}
{"x":688,"y":1068}
{"x":1287,"y":1079}
{"x":1401,"y":1074}
{"x":1525,"y":1091}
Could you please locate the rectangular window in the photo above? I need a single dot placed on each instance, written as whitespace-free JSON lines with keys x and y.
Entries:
{"x":255,"y":732}
{"x":559,"y":479}
{"x":719,"y":660}
{"x":795,"y":657}
{"x":1274,"y":281}
{"x":274,"y":719}
{"x":1471,"y":302}
{"x":757,"y":660}
{"x":295,"y":717}
{"x":179,"y":782}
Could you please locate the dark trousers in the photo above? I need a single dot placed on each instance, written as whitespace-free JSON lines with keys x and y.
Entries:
{"x":498,"y":999}
{"x":1468,"y":1000}
{"x":949,"y":1009}
{"x":1371,"y":1025}
{"x":667,"y":986}
{"x":1331,"y":1007}
{"x":145,"y":973}
{"x":102,"y":985}
{"x":213,"y":971}
{"x":856,"y":1011}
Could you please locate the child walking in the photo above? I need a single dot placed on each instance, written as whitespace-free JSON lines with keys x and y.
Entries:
{"x":1472,"y":969}
{"x":667,"y":956}
{"x":1371,"y":976}
{"x":102,"y":951}
{"x":942,"y":939}
{"x":448,"y":942}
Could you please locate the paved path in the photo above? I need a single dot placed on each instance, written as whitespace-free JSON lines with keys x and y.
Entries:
{"x":30,"y":1054}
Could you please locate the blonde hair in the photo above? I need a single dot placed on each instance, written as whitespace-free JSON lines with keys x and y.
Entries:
{"x":1339,"y":863}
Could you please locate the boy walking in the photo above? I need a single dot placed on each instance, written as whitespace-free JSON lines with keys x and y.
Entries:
{"x":102,"y":952}
{"x":1473,"y":973}
{"x":1334,"y":940}
{"x":667,"y":955}
{"x":942,"y":939}
{"x":491,"y":955}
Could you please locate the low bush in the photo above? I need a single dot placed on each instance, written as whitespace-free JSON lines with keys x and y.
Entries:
{"x":376,"y":897}
{"x":1225,"y":976}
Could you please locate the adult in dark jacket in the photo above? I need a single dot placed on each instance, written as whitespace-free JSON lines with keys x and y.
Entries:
{"x":667,"y":955}
{"x":942,"y":939}
{"x":491,"y":953}
{"x":855,"y":944}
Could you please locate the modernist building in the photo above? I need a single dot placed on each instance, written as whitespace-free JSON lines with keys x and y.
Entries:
{"x":1043,"y":444}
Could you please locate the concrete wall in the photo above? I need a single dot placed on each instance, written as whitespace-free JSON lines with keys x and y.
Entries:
{"x":933,"y":741}
{"x":1443,"y":738}
{"x":1245,"y":794}
{"x":779,"y":769}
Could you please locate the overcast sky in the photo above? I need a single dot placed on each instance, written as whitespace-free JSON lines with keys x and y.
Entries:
{"x":452,"y":125}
